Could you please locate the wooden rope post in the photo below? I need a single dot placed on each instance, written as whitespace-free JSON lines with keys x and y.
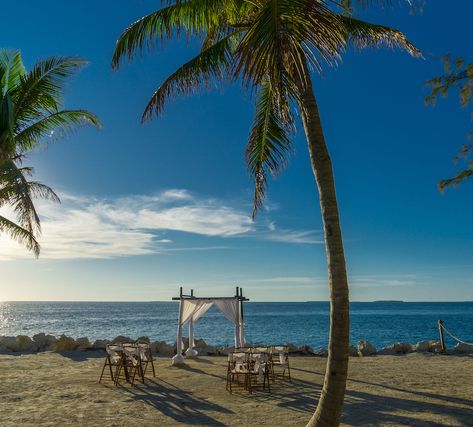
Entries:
{"x":442,"y":338}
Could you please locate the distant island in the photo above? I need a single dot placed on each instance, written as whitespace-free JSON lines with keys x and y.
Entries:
{"x":388,"y":301}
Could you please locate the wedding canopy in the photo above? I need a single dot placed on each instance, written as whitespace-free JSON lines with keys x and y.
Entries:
{"x":192,"y":308}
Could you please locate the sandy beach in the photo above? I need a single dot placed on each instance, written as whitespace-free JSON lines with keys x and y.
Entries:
{"x":62,"y":389}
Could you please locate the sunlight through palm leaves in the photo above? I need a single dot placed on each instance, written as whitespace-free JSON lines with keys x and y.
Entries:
{"x":30,"y":115}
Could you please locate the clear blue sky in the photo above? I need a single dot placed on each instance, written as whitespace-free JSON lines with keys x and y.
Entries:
{"x":149,"y":208}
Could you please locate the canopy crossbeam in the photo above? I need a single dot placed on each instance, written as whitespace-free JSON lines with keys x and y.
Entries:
{"x":238,"y":295}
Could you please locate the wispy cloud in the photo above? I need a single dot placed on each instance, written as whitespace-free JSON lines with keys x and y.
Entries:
{"x":283,"y":279}
{"x":86,"y":227}
{"x":357,"y":281}
{"x":379,"y":281}
{"x":294,"y":236}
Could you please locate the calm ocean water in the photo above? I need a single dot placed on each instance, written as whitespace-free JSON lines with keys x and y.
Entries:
{"x":298,"y":323}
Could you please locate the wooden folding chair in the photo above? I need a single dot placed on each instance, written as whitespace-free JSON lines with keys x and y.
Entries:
{"x":131,"y":364}
{"x":237,"y":367}
{"x":279,"y":358}
{"x":146,"y":356}
{"x":113,"y":360}
{"x":259,"y":367}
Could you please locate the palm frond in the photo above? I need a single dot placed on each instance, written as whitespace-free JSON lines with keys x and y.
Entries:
{"x":284,"y":36}
{"x":209,"y":65}
{"x":268,"y":145}
{"x":41,"y":89}
{"x":11,"y":69}
{"x":7,"y":123}
{"x":54,"y":126}
{"x":457,"y":179}
{"x":19,"y":195}
{"x":364,"y":34}
{"x":19,"y":234}
{"x":191,"y":17}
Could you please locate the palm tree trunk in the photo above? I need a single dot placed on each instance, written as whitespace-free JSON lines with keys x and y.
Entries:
{"x":330,"y":406}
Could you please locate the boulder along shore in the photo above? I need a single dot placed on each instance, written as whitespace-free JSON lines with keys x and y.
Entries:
{"x":43,"y":342}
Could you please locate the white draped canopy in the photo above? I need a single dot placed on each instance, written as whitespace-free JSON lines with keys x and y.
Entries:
{"x":191,"y":309}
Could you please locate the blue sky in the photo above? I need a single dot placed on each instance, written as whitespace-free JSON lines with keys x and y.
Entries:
{"x":146,"y":209}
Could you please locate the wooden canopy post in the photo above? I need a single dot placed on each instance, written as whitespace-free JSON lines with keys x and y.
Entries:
{"x":442,"y":337}
{"x":178,"y":359}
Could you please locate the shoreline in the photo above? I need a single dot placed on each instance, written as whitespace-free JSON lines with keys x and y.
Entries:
{"x":42,"y":342}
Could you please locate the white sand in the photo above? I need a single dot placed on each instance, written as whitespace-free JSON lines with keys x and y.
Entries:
{"x":60,"y":390}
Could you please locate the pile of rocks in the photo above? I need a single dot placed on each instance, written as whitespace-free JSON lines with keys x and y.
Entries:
{"x":42,"y":342}
{"x":365,"y":348}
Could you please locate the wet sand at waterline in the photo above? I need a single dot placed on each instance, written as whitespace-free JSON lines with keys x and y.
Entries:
{"x":62,"y":389}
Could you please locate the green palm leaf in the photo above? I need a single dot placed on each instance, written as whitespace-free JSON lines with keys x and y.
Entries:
{"x":268,"y":144}
{"x":457,"y":179}
{"x":192,"y":17}
{"x":20,"y":195}
{"x":210,"y":65}
{"x":19,"y":234}
{"x":12,"y":69}
{"x":284,"y":36}
{"x":54,"y":126}
{"x":30,"y":111}
{"x":41,"y":90}
{"x":364,"y":34}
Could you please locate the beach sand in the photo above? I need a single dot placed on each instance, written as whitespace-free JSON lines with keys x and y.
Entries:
{"x":62,"y":389}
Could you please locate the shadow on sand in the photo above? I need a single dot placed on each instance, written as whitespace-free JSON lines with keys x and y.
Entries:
{"x":176,"y":403}
{"x":372,"y":408}
{"x":362,"y":408}
{"x":82,"y":356}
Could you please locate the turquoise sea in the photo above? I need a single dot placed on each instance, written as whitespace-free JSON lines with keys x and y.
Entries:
{"x":381,"y":323}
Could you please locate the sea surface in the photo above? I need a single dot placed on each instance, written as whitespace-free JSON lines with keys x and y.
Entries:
{"x":382,"y":323}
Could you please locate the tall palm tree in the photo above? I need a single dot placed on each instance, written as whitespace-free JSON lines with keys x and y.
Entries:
{"x":30,"y":114}
{"x":271,"y":46}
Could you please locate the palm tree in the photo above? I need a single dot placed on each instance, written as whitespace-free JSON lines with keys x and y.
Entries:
{"x":271,"y":46}
{"x":30,"y":114}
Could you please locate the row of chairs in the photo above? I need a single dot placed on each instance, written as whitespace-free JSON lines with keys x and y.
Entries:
{"x":249,"y":367}
{"x":128,"y":359}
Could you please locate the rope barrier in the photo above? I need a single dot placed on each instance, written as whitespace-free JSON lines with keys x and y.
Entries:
{"x":454,"y":337}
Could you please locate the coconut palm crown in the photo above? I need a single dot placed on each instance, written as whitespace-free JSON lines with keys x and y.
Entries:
{"x":268,"y":45}
{"x":271,"y":47}
{"x":31,"y":113}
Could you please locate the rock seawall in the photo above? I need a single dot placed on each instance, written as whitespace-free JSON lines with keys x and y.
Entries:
{"x":43,"y":342}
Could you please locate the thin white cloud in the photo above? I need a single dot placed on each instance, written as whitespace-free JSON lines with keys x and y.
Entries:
{"x":358,"y":281}
{"x":379,"y":281}
{"x":283,"y":279}
{"x":293,"y":236}
{"x":87,"y":227}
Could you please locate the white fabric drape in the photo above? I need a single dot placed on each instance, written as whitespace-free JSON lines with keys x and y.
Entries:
{"x":194,"y":308}
{"x":241,"y":328}
{"x":191,"y":333}
{"x":230,"y":309}
{"x":189,"y":308}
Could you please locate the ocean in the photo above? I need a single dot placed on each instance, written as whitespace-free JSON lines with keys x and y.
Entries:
{"x":381,"y":323}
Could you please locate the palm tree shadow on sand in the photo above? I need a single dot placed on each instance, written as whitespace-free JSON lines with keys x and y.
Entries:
{"x":372,"y":408}
{"x":176,"y":403}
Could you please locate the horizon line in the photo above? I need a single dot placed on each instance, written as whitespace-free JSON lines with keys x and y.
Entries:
{"x":389,"y":301}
